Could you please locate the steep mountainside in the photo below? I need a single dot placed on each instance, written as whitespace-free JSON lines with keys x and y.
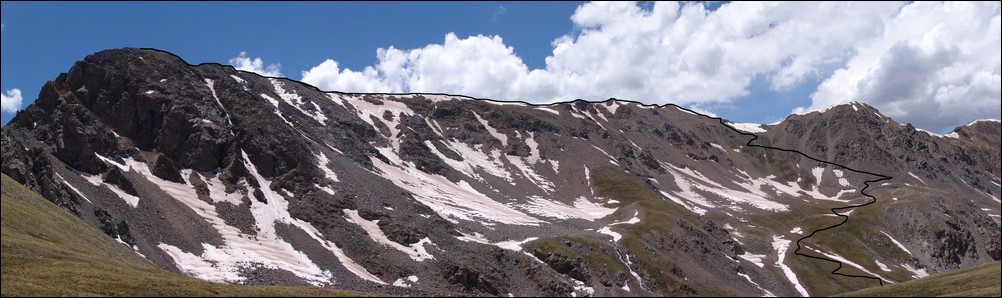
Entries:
{"x":233,"y":177}
{"x":49,"y":252}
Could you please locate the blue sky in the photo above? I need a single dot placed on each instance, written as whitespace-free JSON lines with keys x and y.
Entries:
{"x":747,"y":62}
{"x":42,"y":39}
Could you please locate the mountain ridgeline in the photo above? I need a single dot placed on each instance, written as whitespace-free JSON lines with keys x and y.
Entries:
{"x":232,"y":177}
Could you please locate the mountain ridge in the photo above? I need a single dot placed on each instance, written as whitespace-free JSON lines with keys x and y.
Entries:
{"x":530,"y":138}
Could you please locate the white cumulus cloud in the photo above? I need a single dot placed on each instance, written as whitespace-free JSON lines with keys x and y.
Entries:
{"x":688,"y":55}
{"x":242,"y":62}
{"x":10,"y":100}
{"x":937,"y":65}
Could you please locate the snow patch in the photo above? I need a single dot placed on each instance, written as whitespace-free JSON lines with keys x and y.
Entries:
{"x":238,"y":79}
{"x":765,"y":293}
{"x":917,"y":178}
{"x":197,"y":266}
{"x":277,"y":210}
{"x":504,"y":103}
{"x":326,"y":189}
{"x":120,"y":166}
{"x":515,"y":245}
{"x":755,"y":259}
{"x":781,"y":245}
{"x":475,"y":237}
{"x":211,"y":84}
{"x":549,"y":110}
{"x":748,"y":127}
{"x":450,"y":200}
{"x":494,"y":132}
{"x":580,"y":287}
{"x":128,"y":198}
{"x":839,"y":258}
{"x":796,"y":231}
{"x":322,"y":163}
{"x":931,"y":134}
{"x":582,"y":209}
{"x":405,"y":282}
{"x":223,"y":263}
{"x":901,"y":246}
{"x":296,"y":101}
{"x":916,"y":273}
{"x":611,"y":159}
{"x":239,"y":250}
{"x":634,"y":220}
{"x":608,"y":231}
{"x":612,"y":106}
{"x":534,"y":156}
{"x":841,"y":179}
{"x":882,"y":266}
{"x":529,"y":173}
{"x":278,"y":112}
{"x":367,"y":110}
{"x":74,"y":189}
{"x":473,"y":160}
{"x":689,"y":181}
{"x":981,"y":120}
{"x":336,"y":99}
{"x":818,"y":175}
{"x":217,"y":190}
{"x":416,"y":251}
{"x":688,"y":206}
{"x":507,"y":244}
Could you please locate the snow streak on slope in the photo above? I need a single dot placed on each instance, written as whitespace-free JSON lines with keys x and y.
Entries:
{"x":847,"y":262}
{"x":278,"y":112}
{"x":452,"y":201}
{"x":689,"y":181}
{"x":781,"y":245}
{"x":765,"y":292}
{"x":416,"y":251}
{"x":494,"y":132}
{"x":370,"y":112}
{"x":296,"y":101}
{"x":223,"y":263}
{"x":748,"y":127}
{"x":582,"y":209}
{"x":322,"y":162}
{"x":608,"y":231}
{"x":901,"y":246}
{"x":507,"y":244}
{"x":473,"y":160}
{"x":277,"y":210}
{"x":74,"y":189}
{"x":212,"y":88}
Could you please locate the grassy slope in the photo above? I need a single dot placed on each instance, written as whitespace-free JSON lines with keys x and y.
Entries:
{"x":981,"y":281}
{"x":660,"y":218}
{"x":46,"y":251}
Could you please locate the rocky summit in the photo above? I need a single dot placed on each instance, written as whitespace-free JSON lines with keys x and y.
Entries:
{"x":232,"y":177}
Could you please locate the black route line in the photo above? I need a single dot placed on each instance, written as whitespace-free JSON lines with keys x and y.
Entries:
{"x":845,"y":218}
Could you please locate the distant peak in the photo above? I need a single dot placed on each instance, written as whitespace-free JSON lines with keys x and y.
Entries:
{"x":854,"y":105}
{"x":982,"y":120}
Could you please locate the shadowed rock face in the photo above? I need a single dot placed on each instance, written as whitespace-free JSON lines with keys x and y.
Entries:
{"x":234,"y":177}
